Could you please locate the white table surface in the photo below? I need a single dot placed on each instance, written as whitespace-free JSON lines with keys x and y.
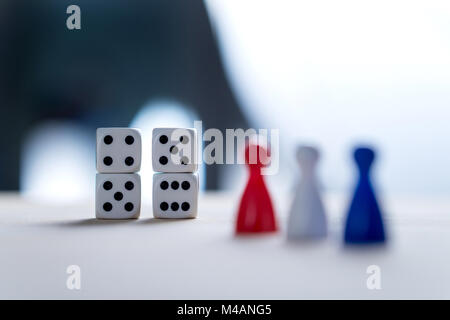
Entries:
{"x":202,"y":259}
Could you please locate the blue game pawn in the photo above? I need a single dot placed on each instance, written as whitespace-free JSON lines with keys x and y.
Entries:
{"x":364,"y":221}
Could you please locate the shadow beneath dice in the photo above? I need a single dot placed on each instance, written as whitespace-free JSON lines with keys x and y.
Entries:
{"x":93,"y":223}
{"x":161,"y":221}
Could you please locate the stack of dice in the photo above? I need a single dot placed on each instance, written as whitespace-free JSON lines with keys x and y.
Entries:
{"x":175,"y":185}
{"x":118,"y":186}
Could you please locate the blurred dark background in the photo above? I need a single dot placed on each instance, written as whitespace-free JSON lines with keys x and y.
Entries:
{"x":332,"y":74}
{"x":126,"y":54}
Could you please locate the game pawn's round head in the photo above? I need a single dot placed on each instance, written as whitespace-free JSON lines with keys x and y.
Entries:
{"x":256,"y":156}
{"x":364,"y":157}
{"x":307,"y":157}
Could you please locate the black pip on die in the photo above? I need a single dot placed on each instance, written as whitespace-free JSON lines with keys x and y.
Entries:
{"x":175,"y":187}
{"x":118,"y":187}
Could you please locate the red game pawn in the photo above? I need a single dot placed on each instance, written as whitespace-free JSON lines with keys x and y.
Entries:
{"x":256,"y":214}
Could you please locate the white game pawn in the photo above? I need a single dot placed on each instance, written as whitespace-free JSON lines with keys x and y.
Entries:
{"x":307,"y":218}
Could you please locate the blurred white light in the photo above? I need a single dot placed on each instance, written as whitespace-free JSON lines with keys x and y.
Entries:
{"x":57,"y":165}
{"x":334,"y":73}
{"x":161,"y":113}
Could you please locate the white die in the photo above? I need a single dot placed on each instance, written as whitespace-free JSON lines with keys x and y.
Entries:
{"x":175,"y":195}
{"x":174,"y":150}
{"x":118,"y":196}
{"x":119,"y":150}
